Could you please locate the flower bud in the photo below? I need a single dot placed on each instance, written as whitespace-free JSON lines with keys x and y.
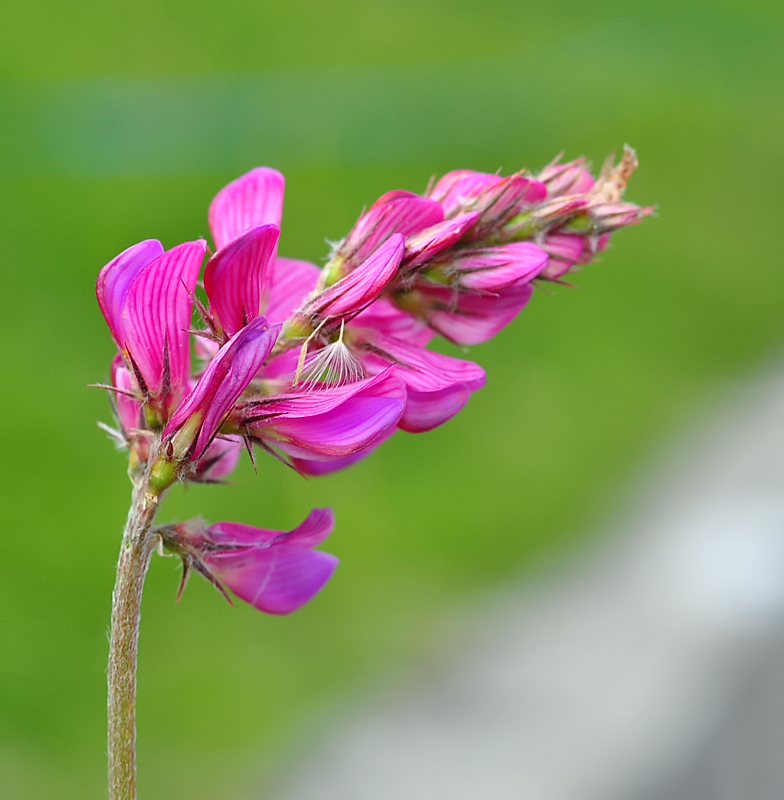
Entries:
{"x":573,"y":177}
{"x":397,"y":212}
{"x":352,"y":294}
{"x":494,"y":198}
{"x":487,"y":269}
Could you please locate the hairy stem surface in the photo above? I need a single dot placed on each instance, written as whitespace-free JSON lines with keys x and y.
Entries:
{"x":137,"y":546}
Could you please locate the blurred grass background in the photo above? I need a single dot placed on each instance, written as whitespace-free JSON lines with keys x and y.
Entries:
{"x":120,"y":121}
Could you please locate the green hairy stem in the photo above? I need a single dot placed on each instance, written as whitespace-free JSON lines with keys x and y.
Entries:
{"x":137,"y":546}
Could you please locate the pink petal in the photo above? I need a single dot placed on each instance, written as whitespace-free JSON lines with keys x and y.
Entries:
{"x":420,"y":369}
{"x":330,"y":423}
{"x":157,"y":315}
{"x":504,"y":200}
{"x":567,"y":247}
{"x":299,"y":405}
{"x":281,"y":367}
{"x":496,"y":198}
{"x":292,"y":282}
{"x":115,"y":279}
{"x":278,"y":579}
{"x":254,"y":199}
{"x":312,"y":530}
{"x":427,"y":410}
{"x":317,"y":469}
{"x":326,"y":466}
{"x":564,"y":252}
{"x":224,"y":380}
{"x":357,"y":424}
{"x":237,"y":278}
{"x":316,"y":527}
{"x":569,"y":178}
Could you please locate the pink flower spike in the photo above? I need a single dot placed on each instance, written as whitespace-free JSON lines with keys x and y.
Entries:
{"x":237,"y":278}
{"x":157,"y":316}
{"x":426,"y":245}
{"x":193,"y":426}
{"x":254,"y":199}
{"x":400,"y":212}
{"x":115,"y":279}
{"x":274,"y":571}
{"x":350,"y":295}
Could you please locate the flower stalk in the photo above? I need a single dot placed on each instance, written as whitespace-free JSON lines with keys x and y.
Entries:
{"x":137,"y":546}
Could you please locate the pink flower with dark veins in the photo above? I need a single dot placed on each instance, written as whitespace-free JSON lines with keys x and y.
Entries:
{"x":274,"y":571}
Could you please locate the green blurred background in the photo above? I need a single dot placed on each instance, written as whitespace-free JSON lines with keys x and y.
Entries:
{"x":120,"y":121}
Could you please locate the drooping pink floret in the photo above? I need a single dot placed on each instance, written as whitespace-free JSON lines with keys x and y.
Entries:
{"x":274,"y":571}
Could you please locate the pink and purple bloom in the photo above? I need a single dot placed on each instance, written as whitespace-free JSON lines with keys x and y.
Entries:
{"x":320,"y":366}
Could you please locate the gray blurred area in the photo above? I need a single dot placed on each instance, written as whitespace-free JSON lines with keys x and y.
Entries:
{"x":649,"y":668}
